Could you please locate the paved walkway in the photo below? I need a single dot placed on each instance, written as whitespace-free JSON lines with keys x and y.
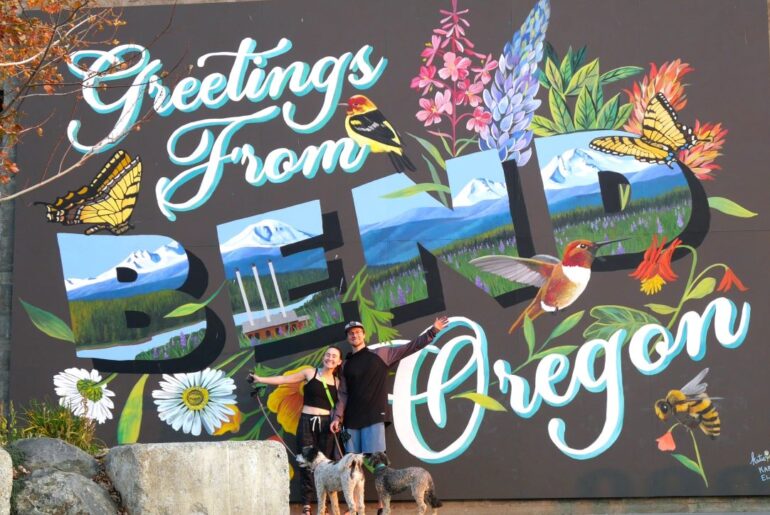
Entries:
{"x":711,"y":505}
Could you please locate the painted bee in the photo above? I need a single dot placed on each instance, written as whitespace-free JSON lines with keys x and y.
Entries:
{"x":691,"y":406}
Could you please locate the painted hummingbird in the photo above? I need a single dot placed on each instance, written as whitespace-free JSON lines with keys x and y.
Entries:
{"x":560,"y":281}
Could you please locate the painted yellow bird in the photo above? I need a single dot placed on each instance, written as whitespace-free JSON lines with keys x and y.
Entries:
{"x":366,"y":125}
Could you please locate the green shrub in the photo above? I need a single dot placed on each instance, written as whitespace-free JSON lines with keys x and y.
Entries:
{"x":9,"y":425}
{"x":45,"y":419}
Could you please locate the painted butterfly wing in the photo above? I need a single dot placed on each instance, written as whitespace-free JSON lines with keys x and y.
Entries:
{"x":662,"y":136}
{"x":660,"y":126}
{"x":638,"y":148}
{"x":107,"y":201}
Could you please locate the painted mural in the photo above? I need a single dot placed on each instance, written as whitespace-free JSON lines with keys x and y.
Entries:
{"x":583,"y":201}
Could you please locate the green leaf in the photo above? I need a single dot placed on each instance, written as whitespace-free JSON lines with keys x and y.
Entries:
{"x":612,"y":318}
{"x":131,"y":417}
{"x":529,"y":334}
{"x":417,"y":188}
{"x":579,"y":58}
{"x":549,"y":52}
{"x":485,"y":401}
{"x":562,"y":120}
{"x":598,"y":95}
{"x":542,"y":126}
{"x":564,"y":350}
{"x":436,"y":180}
{"x":687,"y":462}
{"x":566,"y":325}
{"x":585,"y":111}
{"x":624,"y":112}
{"x":728,"y":207}
{"x":619,"y":74}
{"x":605,"y":119}
{"x":432,"y":150}
{"x":624,"y":191}
{"x":554,"y":76}
{"x":587,"y":75}
{"x":565,"y":69}
{"x":660,"y":309}
{"x":49,"y":323}
{"x":543,"y":80}
{"x":704,"y":287}
{"x":192,"y":307}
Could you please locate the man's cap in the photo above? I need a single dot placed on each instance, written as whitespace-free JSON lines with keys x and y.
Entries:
{"x":353,"y":323}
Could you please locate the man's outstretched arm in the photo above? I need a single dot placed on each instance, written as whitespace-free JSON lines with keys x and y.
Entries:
{"x":392,"y":354}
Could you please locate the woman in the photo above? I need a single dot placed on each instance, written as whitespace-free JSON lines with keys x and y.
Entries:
{"x":320,"y":398}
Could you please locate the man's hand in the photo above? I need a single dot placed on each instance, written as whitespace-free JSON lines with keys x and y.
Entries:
{"x":440,"y":323}
{"x":334,"y":427}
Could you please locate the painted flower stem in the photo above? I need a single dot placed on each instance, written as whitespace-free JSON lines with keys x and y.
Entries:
{"x":107,"y":380}
{"x":697,"y":456}
{"x":232,"y":358}
{"x":240,"y":364}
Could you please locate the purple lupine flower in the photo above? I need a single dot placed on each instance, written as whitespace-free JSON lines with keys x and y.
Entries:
{"x":182,"y":339}
{"x":155,"y":353}
{"x":318,"y":321}
{"x":479,"y":282}
{"x":511,"y":95}
{"x":620,"y":250}
{"x":401,"y":296}
{"x":660,"y":227}
{"x":679,"y":220}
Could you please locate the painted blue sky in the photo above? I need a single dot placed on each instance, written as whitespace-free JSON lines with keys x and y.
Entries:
{"x":372,"y":209}
{"x":103,"y":251}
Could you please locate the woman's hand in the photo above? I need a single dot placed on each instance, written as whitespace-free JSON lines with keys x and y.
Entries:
{"x":253,"y":378}
{"x":440,"y":323}
{"x":334,"y":427}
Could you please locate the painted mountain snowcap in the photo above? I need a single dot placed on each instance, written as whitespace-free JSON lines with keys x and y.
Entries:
{"x":578,"y":167}
{"x":266,"y":233}
{"x":155,"y":269}
{"x":479,"y":190}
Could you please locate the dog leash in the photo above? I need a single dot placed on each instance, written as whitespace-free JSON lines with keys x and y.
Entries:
{"x":255,"y":394}
{"x":332,"y":404}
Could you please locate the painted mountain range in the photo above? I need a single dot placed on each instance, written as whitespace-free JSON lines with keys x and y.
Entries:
{"x":571,"y":179}
{"x":164,"y":268}
{"x":480,"y":206}
{"x":262,"y":241}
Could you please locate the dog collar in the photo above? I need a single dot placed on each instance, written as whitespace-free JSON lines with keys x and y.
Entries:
{"x":380,"y":466}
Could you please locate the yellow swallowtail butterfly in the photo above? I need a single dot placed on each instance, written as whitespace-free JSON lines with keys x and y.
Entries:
{"x":661,"y":139}
{"x":107,"y":201}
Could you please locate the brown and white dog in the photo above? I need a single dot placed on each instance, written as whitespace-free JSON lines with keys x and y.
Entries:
{"x":332,"y":476}
{"x":390,"y":481}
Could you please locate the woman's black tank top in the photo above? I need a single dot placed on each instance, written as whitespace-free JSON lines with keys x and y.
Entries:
{"x":315,"y":394}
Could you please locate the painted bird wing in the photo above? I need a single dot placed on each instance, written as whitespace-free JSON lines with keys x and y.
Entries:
{"x":695,"y":387}
{"x":532,"y":271}
{"x":374,"y":125}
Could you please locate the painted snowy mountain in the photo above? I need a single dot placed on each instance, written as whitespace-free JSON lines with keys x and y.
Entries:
{"x":262,"y":241}
{"x":571,"y":179}
{"x":159,"y":269}
{"x":479,"y":190}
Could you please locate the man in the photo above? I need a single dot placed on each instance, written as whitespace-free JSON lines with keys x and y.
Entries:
{"x":363,"y":395}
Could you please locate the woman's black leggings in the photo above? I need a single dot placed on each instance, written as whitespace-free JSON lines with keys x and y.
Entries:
{"x":313,"y":431}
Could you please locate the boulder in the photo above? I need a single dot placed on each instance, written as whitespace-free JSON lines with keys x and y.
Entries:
{"x":201,"y":477}
{"x":48,"y":491}
{"x":6,"y":481}
{"x":50,"y":453}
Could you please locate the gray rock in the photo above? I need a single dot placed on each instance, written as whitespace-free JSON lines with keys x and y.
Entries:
{"x":201,"y":477}
{"x":40,"y":453}
{"x":6,"y":481}
{"x":51,"y":491}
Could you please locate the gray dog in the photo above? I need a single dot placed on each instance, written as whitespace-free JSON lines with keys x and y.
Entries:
{"x":332,"y":476}
{"x":390,"y":481}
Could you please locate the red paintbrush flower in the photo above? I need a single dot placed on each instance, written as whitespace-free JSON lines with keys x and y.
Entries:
{"x":729,"y":280}
{"x":655,"y":269}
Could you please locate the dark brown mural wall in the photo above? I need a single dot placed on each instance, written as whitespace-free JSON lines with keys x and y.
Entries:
{"x":579,"y":187}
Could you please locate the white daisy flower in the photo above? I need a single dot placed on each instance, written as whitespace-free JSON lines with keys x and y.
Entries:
{"x":80,"y":391}
{"x":188,"y":400}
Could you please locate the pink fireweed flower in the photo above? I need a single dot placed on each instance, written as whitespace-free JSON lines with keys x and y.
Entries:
{"x":432,"y":109}
{"x":426,"y":79}
{"x":483,"y":73}
{"x":468,"y":93}
{"x":431,"y":49}
{"x":455,"y":67}
{"x":479,"y":122}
